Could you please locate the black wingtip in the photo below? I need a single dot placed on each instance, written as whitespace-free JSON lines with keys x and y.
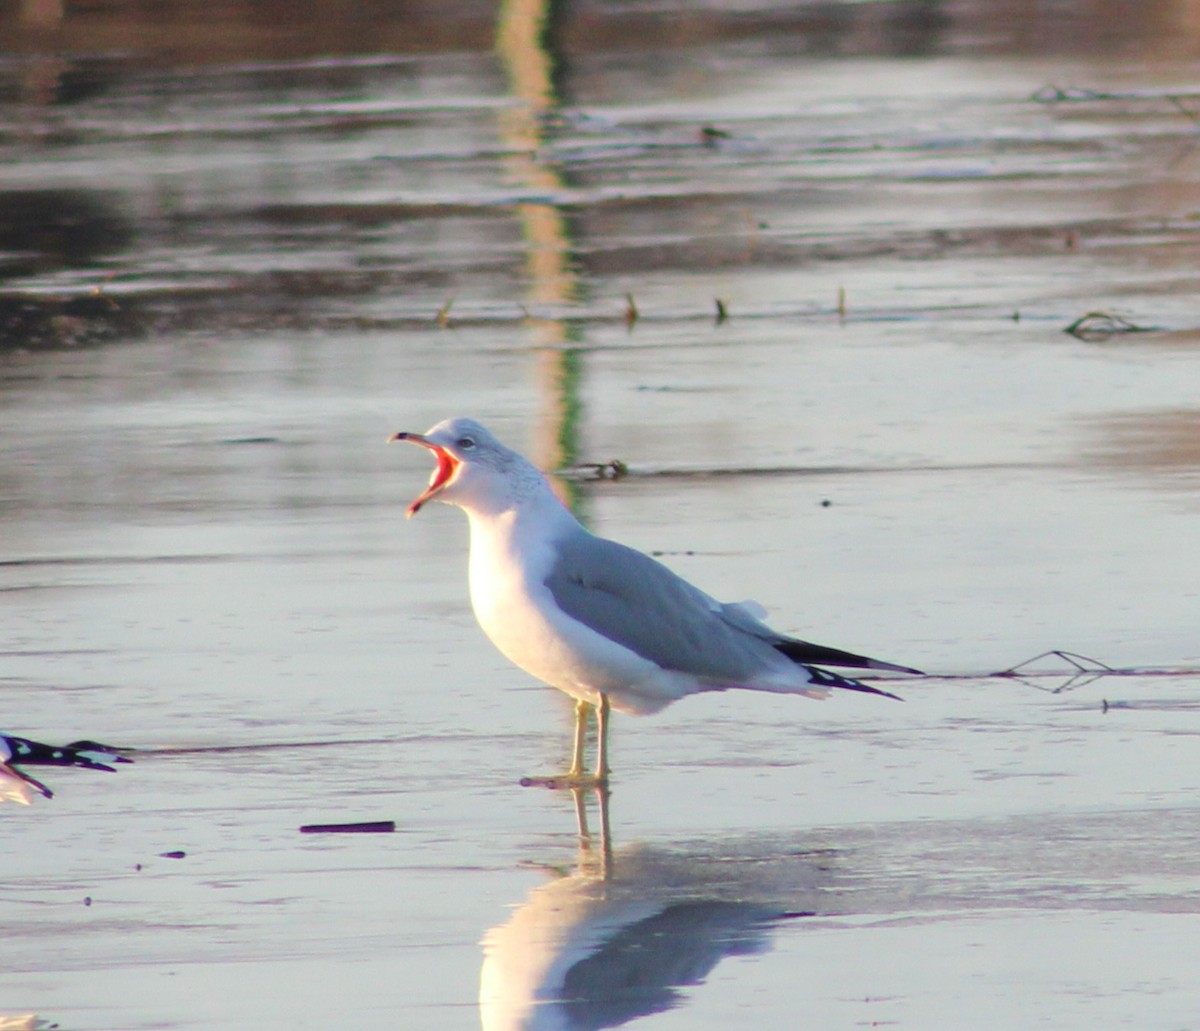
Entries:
{"x":823,"y":678}
{"x":809,"y":654}
{"x":857,"y":685}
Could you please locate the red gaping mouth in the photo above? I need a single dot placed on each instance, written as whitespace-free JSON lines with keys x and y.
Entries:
{"x":447,"y":466}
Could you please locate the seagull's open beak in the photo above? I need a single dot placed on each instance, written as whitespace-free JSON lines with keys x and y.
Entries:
{"x":447,"y":466}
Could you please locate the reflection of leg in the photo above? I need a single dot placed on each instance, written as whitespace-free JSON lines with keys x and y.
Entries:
{"x":581,"y":820}
{"x":605,"y":832}
{"x":581,"y":712}
{"x":591,"y":859}
{"x":602,"y":740}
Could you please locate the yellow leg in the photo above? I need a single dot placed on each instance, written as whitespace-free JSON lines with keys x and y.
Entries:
{"x":575,"y":777}
{"x":581,"y":714}
{"x":602,"y":740}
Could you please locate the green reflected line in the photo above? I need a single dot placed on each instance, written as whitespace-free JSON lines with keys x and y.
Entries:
{"x":524,"y":43}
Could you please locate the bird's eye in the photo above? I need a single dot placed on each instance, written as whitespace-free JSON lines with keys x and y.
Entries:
{"x":466,"y":443}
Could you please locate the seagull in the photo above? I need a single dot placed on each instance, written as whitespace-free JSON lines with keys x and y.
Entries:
{"x":20,"y":751}
{"x":608,"y":625}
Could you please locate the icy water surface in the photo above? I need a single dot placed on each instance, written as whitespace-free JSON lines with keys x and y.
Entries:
{"x":806,"y":272}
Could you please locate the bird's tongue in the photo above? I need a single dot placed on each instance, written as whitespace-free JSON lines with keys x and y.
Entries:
{"x":446,"y":464}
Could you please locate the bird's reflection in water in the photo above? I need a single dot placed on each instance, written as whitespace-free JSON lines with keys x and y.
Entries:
{"x":619,"y":937}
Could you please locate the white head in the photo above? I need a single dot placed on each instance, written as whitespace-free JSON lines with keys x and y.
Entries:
{"x":474,"y":470}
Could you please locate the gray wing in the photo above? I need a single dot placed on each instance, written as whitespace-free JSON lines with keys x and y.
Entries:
{"x":639,"y":603}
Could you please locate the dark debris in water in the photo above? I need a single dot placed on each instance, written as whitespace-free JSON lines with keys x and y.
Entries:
{"x":1080,"y":671}
{"x":35,"y":322}
{"x":1054,"y":94}
{"x":631,"y":312}
{"x":613,"y":469}
{"x":1080,"y":663}
{"x":711,"y":136}
{"x":1100,"y":325}
{"x":364,"y":827}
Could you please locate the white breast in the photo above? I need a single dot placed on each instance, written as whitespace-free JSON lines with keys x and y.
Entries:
{"x":508,"y":568}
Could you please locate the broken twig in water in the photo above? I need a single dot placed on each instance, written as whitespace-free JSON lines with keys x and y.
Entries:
{"x":1081,"y":670}
{"x":367,"y":827}
{"x":1183,"y":110}
{"x":1081,"y":663}
{"x":1052,"y":94}
{"x":613,"y":469}
{"x":1100,"y":325}
{"x":98,"y":291}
